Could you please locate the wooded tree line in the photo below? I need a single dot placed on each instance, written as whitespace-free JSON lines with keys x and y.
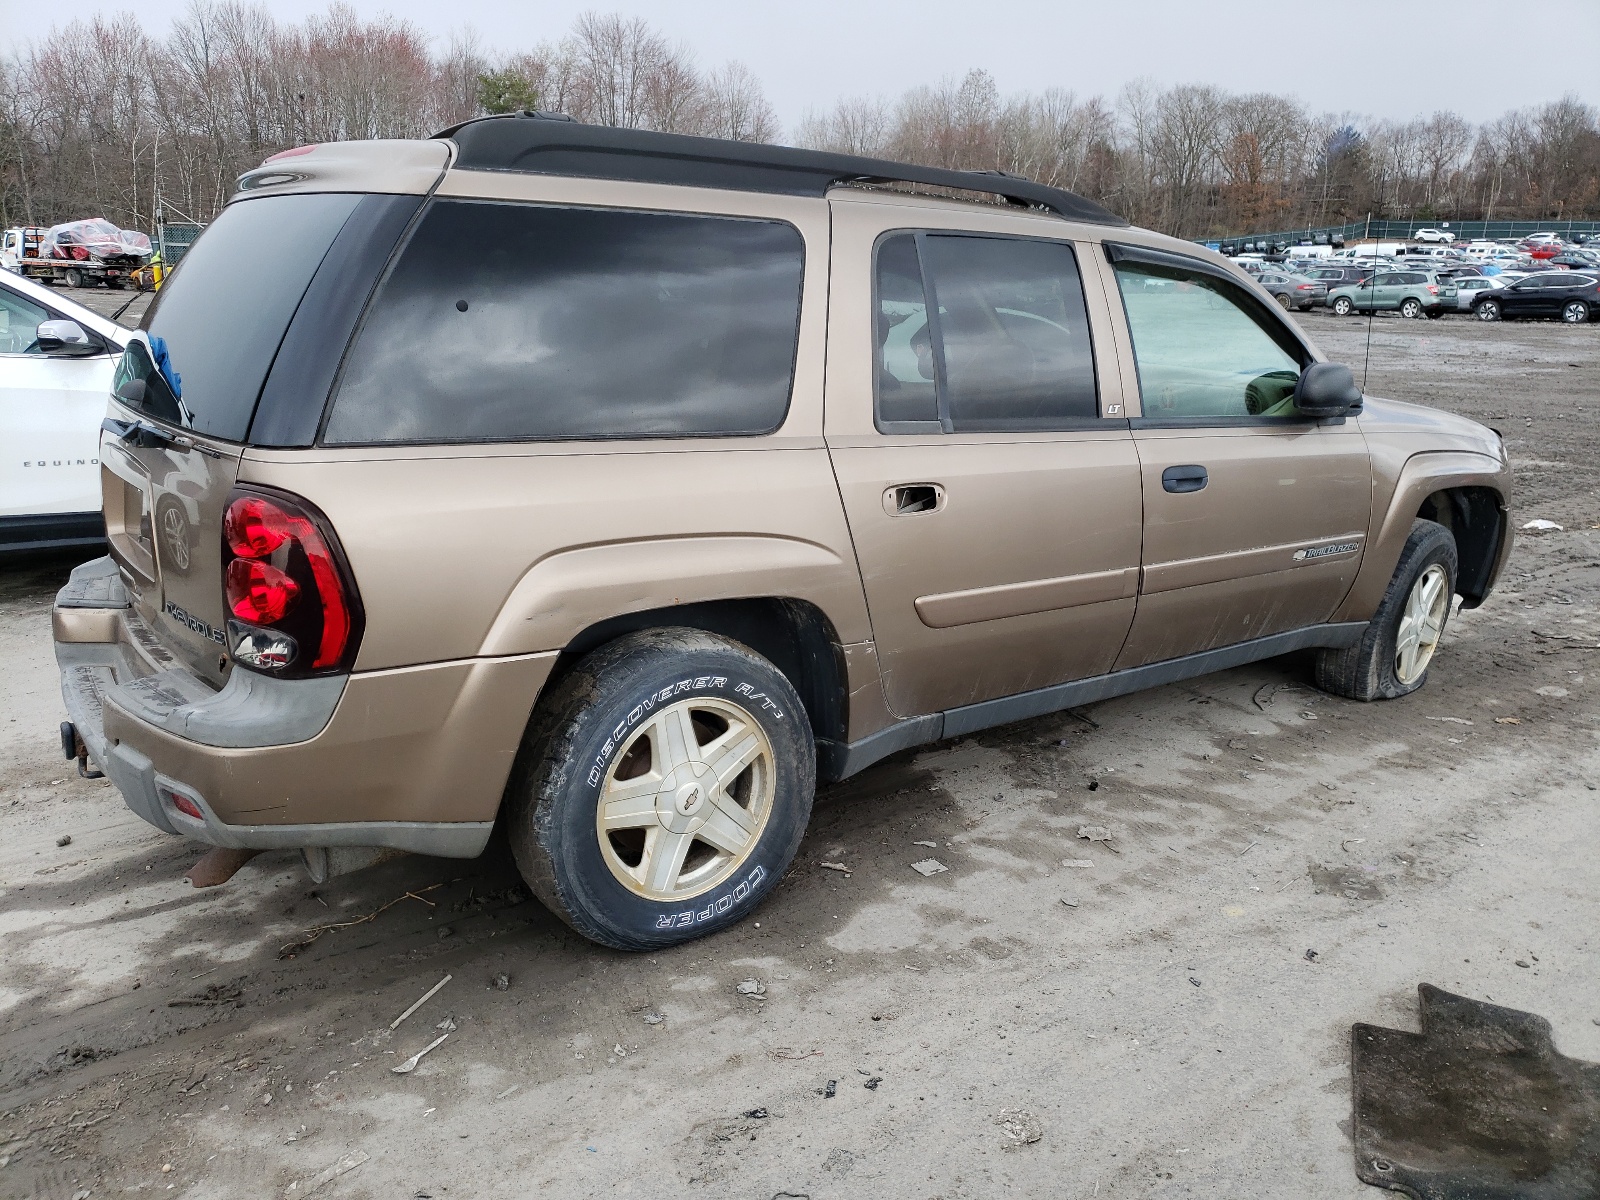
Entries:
{"x":105,"y":118}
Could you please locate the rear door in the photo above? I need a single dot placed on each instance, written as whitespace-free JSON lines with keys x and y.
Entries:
{"x":189,"y":388}
{"x":978,"y":436}
{"x":1254,"y":517}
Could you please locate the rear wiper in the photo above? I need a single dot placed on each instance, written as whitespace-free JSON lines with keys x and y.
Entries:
{"x":153,"y":437}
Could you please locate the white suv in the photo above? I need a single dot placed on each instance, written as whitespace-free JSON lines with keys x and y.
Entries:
{"x":56,"y":363}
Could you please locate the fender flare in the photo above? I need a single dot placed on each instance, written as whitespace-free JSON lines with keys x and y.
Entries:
{"x":567,"y":592}
{"x":1423,"y":474}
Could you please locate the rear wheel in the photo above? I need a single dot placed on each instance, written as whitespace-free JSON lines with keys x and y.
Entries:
{"x":1283,"y":301}
{"x":1342,"y":307}
{"x":1394,"y":652}
{"x":1576,"y":312}
{"x":662,"y":788}
{"x":74,"y":277}
{"x":1488,"y":310}
{"x":1411,"y":308}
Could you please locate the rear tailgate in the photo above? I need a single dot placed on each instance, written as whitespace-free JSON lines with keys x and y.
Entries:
{"x":163,"y":506}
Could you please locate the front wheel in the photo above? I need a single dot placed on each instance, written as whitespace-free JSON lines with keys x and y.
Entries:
{"x":1576,"y":312}
{"x":662,"y":788}
{"x":74,"y":277}
{"x":1488,"y":310}
{"x":1399,"y":643}
{"x":1342,"y":307}
{"x":1411,"y":308}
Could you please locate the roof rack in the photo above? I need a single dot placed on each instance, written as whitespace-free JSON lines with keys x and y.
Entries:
{"x":555,"y":144}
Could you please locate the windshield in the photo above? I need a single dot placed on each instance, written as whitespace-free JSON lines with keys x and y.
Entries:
{"x":220,"y":318}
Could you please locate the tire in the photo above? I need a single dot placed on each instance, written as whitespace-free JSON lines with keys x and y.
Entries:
{"x":73,"y":277}
{"x":1283,"y":301}
{"x":1487,"y":310}
{"x":624,"y":716}
{"x":1411,"y":308}
{"x":1377,"y":667}
{"x":1575,"y":312}
{"x":1343,"y":306}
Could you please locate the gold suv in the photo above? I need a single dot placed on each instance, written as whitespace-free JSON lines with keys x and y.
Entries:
{"x":619,"y":486}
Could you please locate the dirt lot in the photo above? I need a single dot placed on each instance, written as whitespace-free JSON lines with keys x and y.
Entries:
{"x":1166,"y":1034}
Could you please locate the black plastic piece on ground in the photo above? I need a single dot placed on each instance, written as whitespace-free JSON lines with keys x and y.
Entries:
{"x":535,"y":143}
{"x":1479,"y":1106}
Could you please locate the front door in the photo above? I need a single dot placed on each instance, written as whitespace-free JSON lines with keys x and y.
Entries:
{"x":994,"y":510}
{"x":1254,"y":517}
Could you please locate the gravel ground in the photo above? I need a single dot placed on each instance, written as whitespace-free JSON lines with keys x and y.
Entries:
{"x":971,"y":1034}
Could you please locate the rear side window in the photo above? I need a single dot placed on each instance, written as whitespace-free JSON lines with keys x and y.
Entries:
{"x":1008,"y":348}
{"x":522,"y":322}
{"x":224,"y":311}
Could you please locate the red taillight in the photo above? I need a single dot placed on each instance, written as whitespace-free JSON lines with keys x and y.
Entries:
{"x":1433,"y":290}
{"x":1305,"y":287}
{"x":258,"y":592}
{"x":254,"y":527}
{"x":286,"y":581}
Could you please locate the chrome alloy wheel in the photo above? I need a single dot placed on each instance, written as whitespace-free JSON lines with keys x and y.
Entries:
{"x":685,"y":799}
{"x":1421,"y":623}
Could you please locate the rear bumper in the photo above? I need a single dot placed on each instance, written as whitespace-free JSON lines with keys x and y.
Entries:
{"x":413,"y":759}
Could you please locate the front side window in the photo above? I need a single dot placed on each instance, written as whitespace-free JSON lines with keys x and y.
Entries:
{"x":1204,"y":347}
{"x":1008,"y":348}
{"x":19,"y":324}
{"x":525,"y":322}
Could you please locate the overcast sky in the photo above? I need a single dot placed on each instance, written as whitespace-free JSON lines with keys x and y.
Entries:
{"x":1386,"y":58}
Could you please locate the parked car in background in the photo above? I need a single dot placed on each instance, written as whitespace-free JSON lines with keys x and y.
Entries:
{"x":56,"y":363}
{"x":1471,"y":287}
{"x":1293,"y":291}
{"x":1570,"y":295}
{"x":1438,"y":236}
{"x":1339,"y":276}
{"x":1410,"y":293}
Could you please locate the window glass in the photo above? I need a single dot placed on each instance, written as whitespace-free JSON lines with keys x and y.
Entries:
{"x":906,"y":388}
{"x":223,"y":313}
{"x":1014,"y":333}
{"x":1204,"y":347}
{"x":522,"y":322}
{"x":19,"y":324}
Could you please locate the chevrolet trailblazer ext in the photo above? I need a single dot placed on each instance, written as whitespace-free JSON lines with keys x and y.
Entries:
{"x":621,"y":485}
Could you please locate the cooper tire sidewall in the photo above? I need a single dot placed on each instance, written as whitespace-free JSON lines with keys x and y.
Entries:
{"x":1437,"y":549}
{"x":567,"y":797}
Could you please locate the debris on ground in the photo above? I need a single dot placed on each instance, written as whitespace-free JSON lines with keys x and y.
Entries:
{"x":426,"y":996}
{"x":502,"y":982}
{"x":653,"y":1018}
{"x":410,"y":1064}
{"x":345,"y":1165}
{"x":753,"y":988}
{"x":833,"y":866}
{"x":1449,"y":720}
{"x":929,"y":866}
{"x":448,"y":1025}
{"x":1311,"y":956}
{"x":788,"y":1054}
{"x":64,"y":840}
{"x":216,"y":994}
{"x":1021,"y":1128}
{"x":316,"y":931}
{"x":831,"y":1089}
{"x":1540,"y":525}
{"x":1069,"y":903}
{"x":1095,"y":833}
{"x":929,"y":845}
{"x":1508,"y":720}
{"x":872,"y":1084}
{"x":757,"y":1114}
{"x":1077,"y":862}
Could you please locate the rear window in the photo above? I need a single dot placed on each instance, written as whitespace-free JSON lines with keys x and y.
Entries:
{"x":524,"y":322}
{"x":224,"y":311}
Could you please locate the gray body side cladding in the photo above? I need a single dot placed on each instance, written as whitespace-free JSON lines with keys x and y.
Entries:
{"x":839,"y":760}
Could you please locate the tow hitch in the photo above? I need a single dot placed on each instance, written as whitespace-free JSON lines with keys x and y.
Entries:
{"x":75,"y":751}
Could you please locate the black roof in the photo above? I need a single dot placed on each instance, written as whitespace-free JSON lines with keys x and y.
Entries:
{"x":551,"y":145}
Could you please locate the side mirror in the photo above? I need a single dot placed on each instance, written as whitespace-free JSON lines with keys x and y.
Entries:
{"x":1326,"y":390}
{"x":65,"y":338}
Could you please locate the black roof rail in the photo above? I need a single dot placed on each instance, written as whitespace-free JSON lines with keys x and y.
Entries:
{"x":554,"y":144}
